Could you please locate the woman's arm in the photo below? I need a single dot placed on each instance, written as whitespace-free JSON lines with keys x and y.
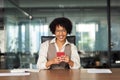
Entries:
{"x":42,"y":59}
{"x":75,"y":58}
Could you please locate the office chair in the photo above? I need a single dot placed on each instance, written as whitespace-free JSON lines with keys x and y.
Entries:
{"x":12,"y":60}
{"x":45,"y":38}
{"x":69,"y":38}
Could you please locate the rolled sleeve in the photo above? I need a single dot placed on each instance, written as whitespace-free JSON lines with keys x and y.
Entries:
{"x":41,"y":63}
{"x":75,"y":57}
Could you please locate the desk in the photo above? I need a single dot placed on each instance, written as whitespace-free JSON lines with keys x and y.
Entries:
{"x":66,"y":75}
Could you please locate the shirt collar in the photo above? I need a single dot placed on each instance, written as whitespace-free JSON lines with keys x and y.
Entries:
{"x":54,"y":41}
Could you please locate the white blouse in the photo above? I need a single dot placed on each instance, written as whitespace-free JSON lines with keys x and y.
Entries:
{"x":41,"y":63}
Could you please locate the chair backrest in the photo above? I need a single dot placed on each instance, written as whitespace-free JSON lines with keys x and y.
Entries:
{"x":12,"y":60}
{"x":69,"y":38}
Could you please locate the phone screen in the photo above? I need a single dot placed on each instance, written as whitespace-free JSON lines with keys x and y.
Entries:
{"x":59,"y":54}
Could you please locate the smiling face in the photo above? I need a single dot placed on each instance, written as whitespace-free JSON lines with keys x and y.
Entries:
{"x":60,"y":33}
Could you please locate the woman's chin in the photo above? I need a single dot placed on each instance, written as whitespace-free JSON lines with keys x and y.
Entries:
{"x":61,"y":40}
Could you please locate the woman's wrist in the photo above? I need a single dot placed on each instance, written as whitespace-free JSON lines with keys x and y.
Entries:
{"x":71,"y":63}
{"x":48,"y":64}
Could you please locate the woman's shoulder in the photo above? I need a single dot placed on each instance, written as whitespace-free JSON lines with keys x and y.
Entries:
{"x":45,"y":43}
{"x":73,"y":45}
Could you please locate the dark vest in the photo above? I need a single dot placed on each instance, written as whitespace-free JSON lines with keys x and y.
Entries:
{"x":52,"y":53}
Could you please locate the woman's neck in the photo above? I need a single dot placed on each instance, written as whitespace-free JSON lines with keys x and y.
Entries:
{"x":60,"y":44}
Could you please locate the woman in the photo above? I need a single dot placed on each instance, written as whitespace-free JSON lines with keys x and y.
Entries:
{"x":48,"y":58}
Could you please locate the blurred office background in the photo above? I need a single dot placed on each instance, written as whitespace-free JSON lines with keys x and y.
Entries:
{"x":96,"y":25}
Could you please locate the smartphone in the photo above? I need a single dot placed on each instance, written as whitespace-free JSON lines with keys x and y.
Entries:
{"x":59,"y":54}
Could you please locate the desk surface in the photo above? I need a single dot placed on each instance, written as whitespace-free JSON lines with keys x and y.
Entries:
{"x":66,"y":75}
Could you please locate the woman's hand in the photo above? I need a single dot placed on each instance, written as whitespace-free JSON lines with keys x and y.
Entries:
{"x":55,"y":60}
{"x":65,"y":58}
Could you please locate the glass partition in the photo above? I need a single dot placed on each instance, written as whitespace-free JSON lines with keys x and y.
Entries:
{"x":27,"y":20}
{"x":23,"y":34}
{"x":115,"y":33}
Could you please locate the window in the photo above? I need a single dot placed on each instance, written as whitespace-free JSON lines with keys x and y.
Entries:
{"x":28,"y":36}
{"x":86,"y":35}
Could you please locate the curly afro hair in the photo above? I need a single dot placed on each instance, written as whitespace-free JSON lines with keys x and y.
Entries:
{"x":62,"y":21}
